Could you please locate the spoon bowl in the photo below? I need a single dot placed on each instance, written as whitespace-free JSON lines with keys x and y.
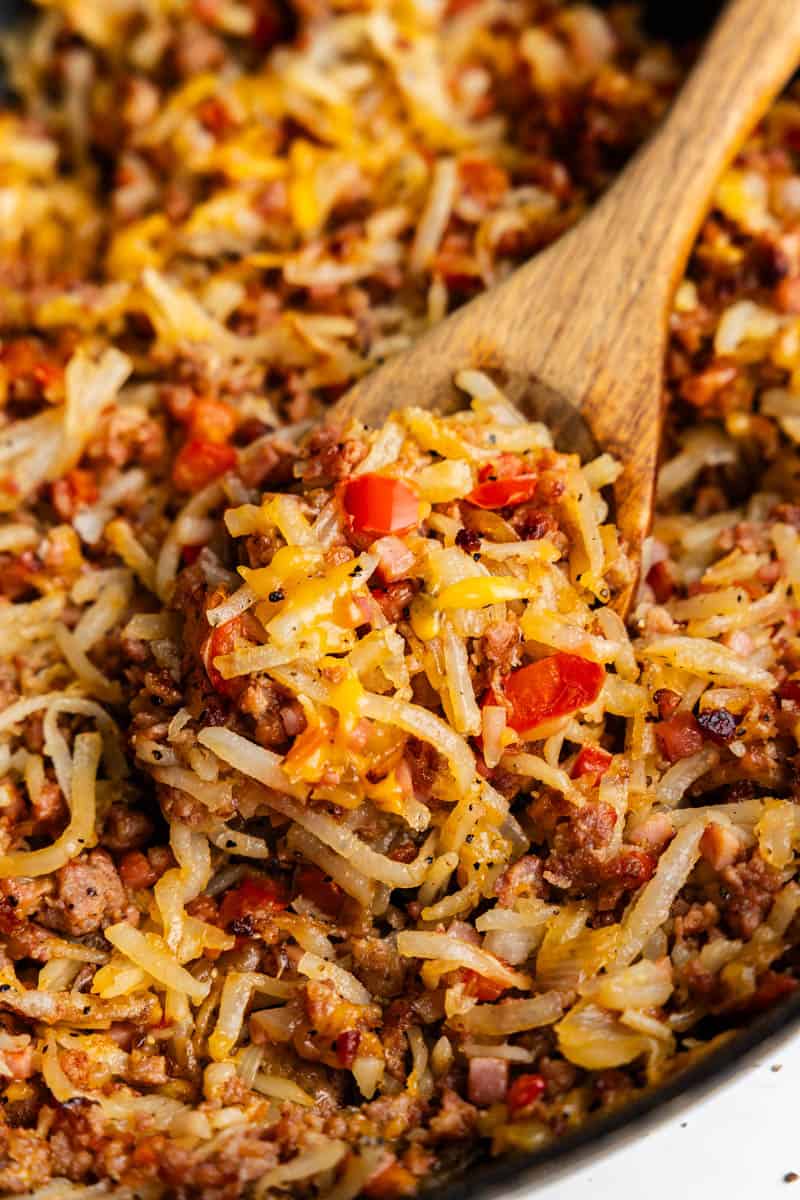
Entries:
{"x":577,"y":335}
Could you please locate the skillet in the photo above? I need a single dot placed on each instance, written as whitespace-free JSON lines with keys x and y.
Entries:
{"x":512,"y":1175}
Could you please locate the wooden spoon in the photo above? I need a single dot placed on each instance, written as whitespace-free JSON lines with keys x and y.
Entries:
{"x":577,"y":335}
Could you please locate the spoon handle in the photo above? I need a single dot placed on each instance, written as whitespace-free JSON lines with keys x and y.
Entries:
{"x":649,"y":219}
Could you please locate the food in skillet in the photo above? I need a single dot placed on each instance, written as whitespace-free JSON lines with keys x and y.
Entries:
{"x":345,"y":828}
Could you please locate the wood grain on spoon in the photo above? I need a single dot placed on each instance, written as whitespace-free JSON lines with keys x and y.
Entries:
{"x":581,"y":329}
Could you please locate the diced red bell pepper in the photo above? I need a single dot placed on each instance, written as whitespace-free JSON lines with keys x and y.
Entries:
{"x":199,"y":462}
{"x":504,"y":493}
{"x":323,"y":893}
{"x":525,"y":1091}
{"x":379,"y":504}
{"x":221,"y":640}
{"x":211,"y":420}
{"x":679,"y":737}
{"x":591,"y":761}
{"x":257,"y":897}
{"x":553,"y":687}
{"x":479,"y":986}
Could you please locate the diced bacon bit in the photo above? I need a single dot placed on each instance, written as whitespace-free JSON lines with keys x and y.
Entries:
{"x":591,"y":764}
{"x":26,"y":359}
{"x":718,"y":725}
{"x":199,"y":462}
{"x":205,"y":908}
{"x":405,"y":778}
{"x":347,"y":1044}
{"x":720,"y":846}
{"x":702,"y":388}
{"x":18,"y":1064}
{"x":391,"y":1182}
{"x":77,"y":489}
{"x":772,"y":988}
{"x":524,"y":878}
{"x":190,"y":554}
{"x":789,"y":692}
{"x":786,"y":296}
{"x":679,"y":737}
{"x":323,"y":893}
{"x":631,"y":868}
{"x":254,"y":900}
{"x":267,"y":23}
{"x":136,"y":871}
{"x":215,"y":116}
{"x":666,"y":702}
{"x":487,"y":1081}
{"x":653,"y":833}
{"x":524,"y":1092}
{"x":485,"y":181}
{"x":293,"y":718}
{"x":395,"y":560}
{"x":661,"y":578}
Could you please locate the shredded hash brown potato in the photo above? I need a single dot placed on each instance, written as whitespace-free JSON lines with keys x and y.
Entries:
{"x":346,"y":832}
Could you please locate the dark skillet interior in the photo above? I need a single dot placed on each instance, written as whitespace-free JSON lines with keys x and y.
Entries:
{"x":486,"y":1177}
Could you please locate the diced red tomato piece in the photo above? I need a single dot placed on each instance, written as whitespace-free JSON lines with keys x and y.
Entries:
{"x":347,"y":1044}
{"x":323,"y":893}
{"x":591,"y":761}
{"x":255,"y":898}
{"x":504,"y":493}
{"x":525,"y":1091}
{"x":199,"y":462}
{"x":379,"y":504}
{"x":395,"y":560}
{"x":679,"y":737}
{"x":553,"y":687}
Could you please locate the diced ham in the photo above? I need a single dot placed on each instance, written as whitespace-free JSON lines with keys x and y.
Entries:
{"x":464,"y":932}
{"x":395,"y":560}
{"x":739,"y":642}
{"x":653,"y":833}
{"x":720,"y":846}
{"x":488,"y":1081}
{"x":18,"y":1062}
